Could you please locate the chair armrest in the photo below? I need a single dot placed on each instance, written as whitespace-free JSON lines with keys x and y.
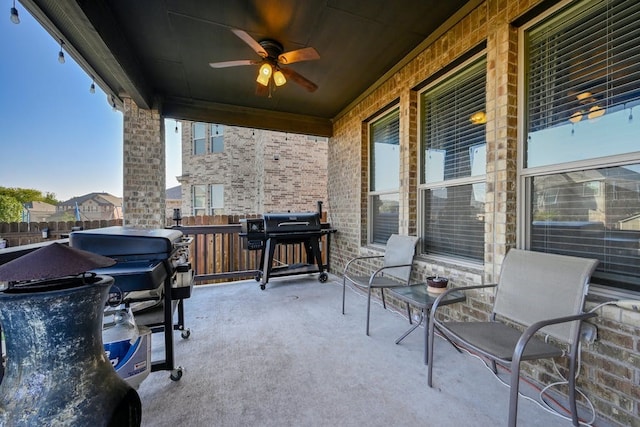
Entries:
{"x":359,"y":259}
{"x":381,"y":269}
{"x":530,"y":331}
{"x":436,"y":303}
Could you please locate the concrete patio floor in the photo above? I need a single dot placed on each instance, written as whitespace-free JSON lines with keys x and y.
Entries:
{"x":286,"y":356}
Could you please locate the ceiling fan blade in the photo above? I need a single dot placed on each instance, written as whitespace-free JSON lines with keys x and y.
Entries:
{"x":245,"y":37}
{"x":299,"y":78}
{"x":305,"y":54}
{"x":226,"y":64}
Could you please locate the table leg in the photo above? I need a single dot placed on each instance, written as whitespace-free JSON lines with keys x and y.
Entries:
{"x":413,"y":328}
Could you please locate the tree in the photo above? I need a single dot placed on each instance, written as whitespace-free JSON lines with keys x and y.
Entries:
{"x":10,"y":209}
{"x":26,"y":195}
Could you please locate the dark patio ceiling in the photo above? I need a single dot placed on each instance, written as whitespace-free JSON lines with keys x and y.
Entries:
{"x":157,"y":52}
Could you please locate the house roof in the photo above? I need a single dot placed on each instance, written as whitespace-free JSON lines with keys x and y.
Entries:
{"x":158,"y":53}
{"x":174,"y":193}
{"x":100,"y":198}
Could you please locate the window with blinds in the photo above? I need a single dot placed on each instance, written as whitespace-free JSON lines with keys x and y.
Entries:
{"x":453,"y":159}
{"x":582,"y":83}
{"x":582,"y":76}
{"x":384,"y":177}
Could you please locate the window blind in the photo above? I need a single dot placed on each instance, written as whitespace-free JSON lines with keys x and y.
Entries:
{"x":584,"y":62}
{"x":448,"y":131}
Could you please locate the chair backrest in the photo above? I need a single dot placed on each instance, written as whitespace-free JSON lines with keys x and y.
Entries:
{"x":400,"y":250}
{"x":536,"y":286}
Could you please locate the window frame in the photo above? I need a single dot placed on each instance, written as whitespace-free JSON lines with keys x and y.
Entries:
{"x":527,"y":174}
{"x":216,"y":134}
{"x":423,"y":186}
{"x":196,"y":207}
{"x":198,"y":145}
{"x":375,"y":194}
{"x":212,"y":197}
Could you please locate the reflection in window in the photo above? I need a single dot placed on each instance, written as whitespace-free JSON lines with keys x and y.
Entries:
{"x":583,"y":91}
{"x":592,"y":218}
{"x":384,"y":184}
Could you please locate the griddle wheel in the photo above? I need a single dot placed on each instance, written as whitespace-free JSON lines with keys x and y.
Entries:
{"x":263,"y":286}
{"x":323,"y":277}
{"x":186,"y":333}
{"x":176,"y":374}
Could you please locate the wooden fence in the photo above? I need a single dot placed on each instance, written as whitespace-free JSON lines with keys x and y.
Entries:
{"x":218,"y":252}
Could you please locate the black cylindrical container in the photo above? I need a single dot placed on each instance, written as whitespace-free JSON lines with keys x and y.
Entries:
{"x":56,"y":371}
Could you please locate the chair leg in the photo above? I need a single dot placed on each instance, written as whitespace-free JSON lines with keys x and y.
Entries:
{"x":409,"y":314}
{"x":368,"y":308}
{"x":429,"y":359}
{"x":513,"y":392}
{"x":344,"y":285}
{"x":384,"y":305}
{"x":572,"y":392}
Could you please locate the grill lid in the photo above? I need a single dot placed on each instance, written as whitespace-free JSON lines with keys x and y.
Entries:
{"x":290,"y":222}
{"x":121,"y":241}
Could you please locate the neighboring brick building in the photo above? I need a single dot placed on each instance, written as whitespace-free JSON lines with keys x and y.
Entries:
{"x":229,"y":170}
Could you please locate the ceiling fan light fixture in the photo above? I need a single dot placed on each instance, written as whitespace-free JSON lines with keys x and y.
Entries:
{"x":478,"y":118}
{"x":278,"y":78}
{"x":576,"y":117}
{"x":264,"y":74}
{"x":595,"y":112}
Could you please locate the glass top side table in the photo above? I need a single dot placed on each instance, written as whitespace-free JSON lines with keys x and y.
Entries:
{"x":417,"y":296}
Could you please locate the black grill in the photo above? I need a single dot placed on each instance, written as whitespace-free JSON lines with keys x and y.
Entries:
{"x":274,"y":229}
{"x":147,"y":262}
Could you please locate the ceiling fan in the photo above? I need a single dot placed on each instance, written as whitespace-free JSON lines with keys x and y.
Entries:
{"x":272,"y":63}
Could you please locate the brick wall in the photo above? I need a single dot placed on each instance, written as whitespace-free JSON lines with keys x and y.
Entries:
{"x":611,"y":366}
{"x":262,"y":171}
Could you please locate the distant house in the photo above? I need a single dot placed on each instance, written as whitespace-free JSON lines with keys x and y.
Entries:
{"x":37,"y":211}
{"x":92,"y":206}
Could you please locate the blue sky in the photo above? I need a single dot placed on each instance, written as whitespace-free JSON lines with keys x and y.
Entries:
{"x":56,"y":136}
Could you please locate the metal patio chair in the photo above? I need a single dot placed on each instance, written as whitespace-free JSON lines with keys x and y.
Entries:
{"x":544,"y":294}
{"x":395,"y":271}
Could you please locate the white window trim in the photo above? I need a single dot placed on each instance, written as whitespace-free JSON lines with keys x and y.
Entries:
{"x":372,"y":194}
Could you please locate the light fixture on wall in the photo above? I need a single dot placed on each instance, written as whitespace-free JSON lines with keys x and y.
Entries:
{"x":92,"y":88}
{"x":15,"y":18}
{"x":113,"y":103}
{"x":61,"y":53}
{"x":176,"y":126}
{"x":478,"y":118}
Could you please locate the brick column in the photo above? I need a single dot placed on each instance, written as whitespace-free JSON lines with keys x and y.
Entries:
{"x":143,"y":167}
{"x":501,"y":204}
{"x":408,"y":162}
